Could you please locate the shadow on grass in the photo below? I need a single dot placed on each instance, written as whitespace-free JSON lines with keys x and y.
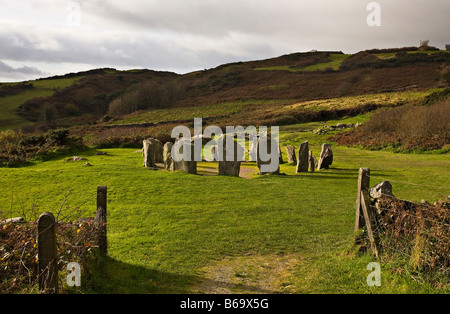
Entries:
{"x":111,"y":276}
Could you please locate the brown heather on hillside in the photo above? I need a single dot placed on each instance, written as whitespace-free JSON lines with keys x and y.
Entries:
{"x":404,"y":128}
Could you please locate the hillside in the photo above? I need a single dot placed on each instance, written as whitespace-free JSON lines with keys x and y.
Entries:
{"x":255,"y":92}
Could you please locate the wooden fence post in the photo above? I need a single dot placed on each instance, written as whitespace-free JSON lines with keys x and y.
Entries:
{"x":47,"y":253}
{"x":369,"y":217}
{"x":363,"y":185}
{"x":101,"y":219}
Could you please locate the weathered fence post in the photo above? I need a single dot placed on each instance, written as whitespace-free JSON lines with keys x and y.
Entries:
{"x":47,"y":252}
{"x":370,"y":221}
{"x":363,"y":185}
{"x":101,"y":219}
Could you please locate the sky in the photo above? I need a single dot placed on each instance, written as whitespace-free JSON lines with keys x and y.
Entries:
{"x":41,"y":38}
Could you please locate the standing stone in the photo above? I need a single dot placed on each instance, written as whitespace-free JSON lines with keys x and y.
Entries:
{"x":311,"y":162}
{"x":47,"y":254}
{"x":326,"y":157}
{"x":290,"y":151}
{"x":229,"y":167}
{"x":168,"y":161}
{"x":148,"y":154}
{"x":303,"y":156}
{"x":188,"y":166}
{"x":157,"y":150}
{"x":270,"y":142}
{"x":280,"y":155}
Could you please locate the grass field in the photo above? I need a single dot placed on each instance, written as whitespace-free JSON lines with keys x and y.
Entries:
{"x":334,"y":63}
{"x":8,"y":104}
{"x":176,"y":233}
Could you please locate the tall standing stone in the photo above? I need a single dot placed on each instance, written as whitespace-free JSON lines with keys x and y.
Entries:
{"x":303,"y":156}
{"x":259,"y":162}
{"x":229,"y":167}
{"x":326,"y":157}
{"x":158,"y":150}
{"x":188,"y":165}
{"x":168,"y":161}
{"x":148,"y":154}
{"x":290,"y":151}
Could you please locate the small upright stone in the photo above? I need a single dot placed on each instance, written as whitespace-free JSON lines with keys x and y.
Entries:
{"x":311,"y":162}
{"x":168,"y":161}
{"x":303,"y":155}
{"x":383,"y":188}
{"x":280,"y":155}
{"x":326,"y":157}
{"x":290,"y":151}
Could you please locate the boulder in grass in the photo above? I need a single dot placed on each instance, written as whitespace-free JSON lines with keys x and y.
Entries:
{"x":77,"y":158}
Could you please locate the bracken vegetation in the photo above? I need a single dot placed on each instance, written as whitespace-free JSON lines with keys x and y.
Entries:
{"x":17,"y":148}
{"x":417,"y":234}
{"x":404,"y":128}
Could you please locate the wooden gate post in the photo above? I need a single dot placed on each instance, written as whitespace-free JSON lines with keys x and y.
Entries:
{"x":101,"y":219}
{"x":363,"y":185}
{"x":47,"y":252}
{"x":370,"y":222}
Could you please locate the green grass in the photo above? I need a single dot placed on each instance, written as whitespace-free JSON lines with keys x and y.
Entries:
{"x":8,"y":104}
{"x":165,"y":229}
{"x":336,"y":61}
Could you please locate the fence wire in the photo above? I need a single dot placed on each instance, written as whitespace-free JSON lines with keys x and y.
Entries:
{"x":416,"y":233}
{"x":76,"y":237}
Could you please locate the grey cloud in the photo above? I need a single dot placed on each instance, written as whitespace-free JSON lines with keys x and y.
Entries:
{"x":182,"y":36}
{"x":6,"y":69}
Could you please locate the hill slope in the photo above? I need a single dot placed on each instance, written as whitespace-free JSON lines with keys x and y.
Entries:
{"x":259,"y":86}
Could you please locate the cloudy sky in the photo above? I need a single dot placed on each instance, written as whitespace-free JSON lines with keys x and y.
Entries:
{"x":39,"y":38}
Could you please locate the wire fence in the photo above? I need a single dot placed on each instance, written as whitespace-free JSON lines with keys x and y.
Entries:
{"x":416,"y":235}
{"x":76,"y":238}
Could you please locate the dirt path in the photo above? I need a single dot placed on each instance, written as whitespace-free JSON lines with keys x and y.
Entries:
{"x":211,"y":169}
{"x":254,"y":274}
